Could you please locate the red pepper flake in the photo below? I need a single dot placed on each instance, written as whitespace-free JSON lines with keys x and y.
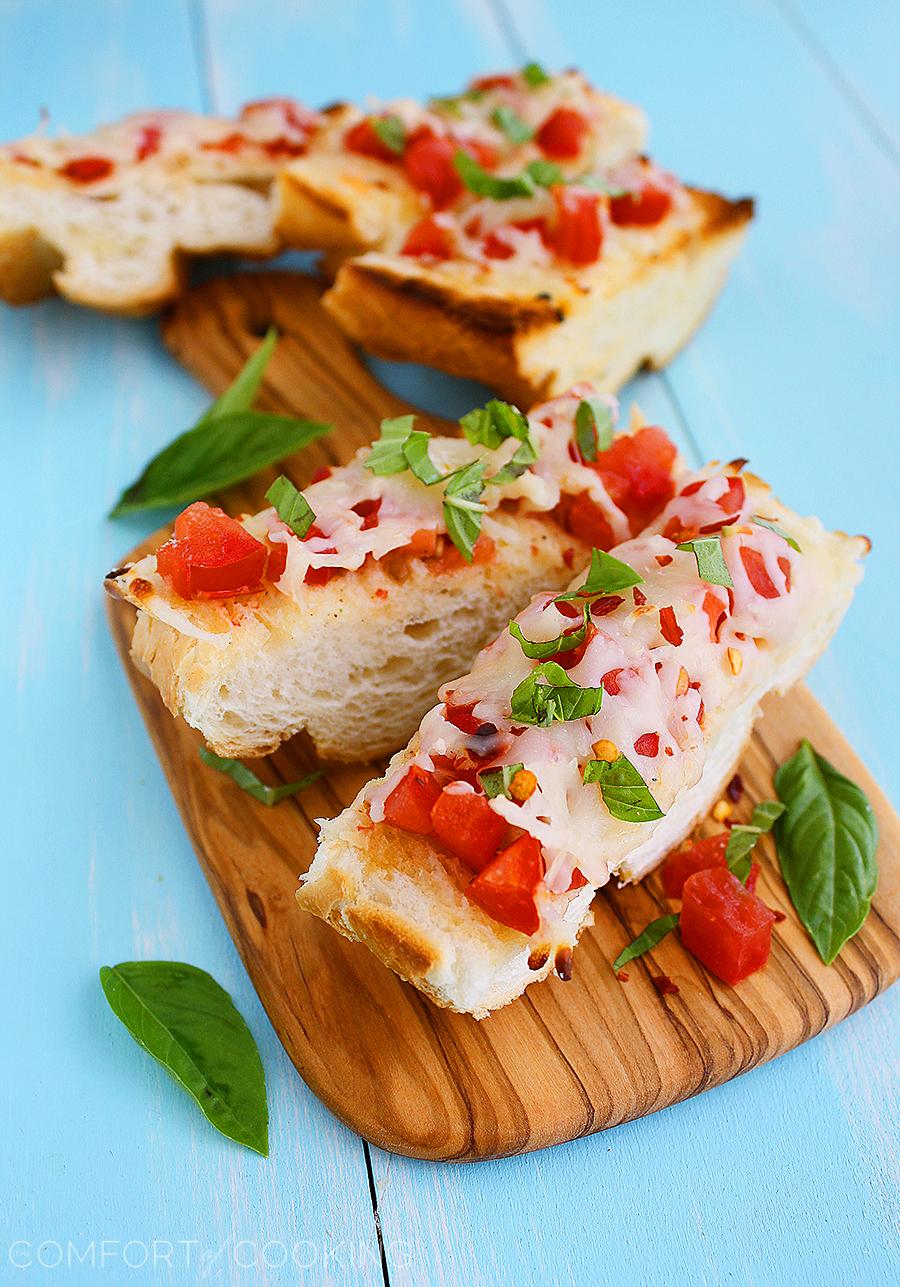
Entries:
{"x":610,"y":682}
{"x":149,"y":140}
{"x":563,"y":963}
{"x":668,"y":750}
{"x":381,"y":593}
{"x":639,"y":597}
{"x":648,"y":744}
{"x":785,"y":565}
{"x":567,"y":609}
{"x":735,"y":789}
{"x":604,"y":606}
{"x":664,"y":560}
{"x":779,"y":916}
{"x":87,"y":169}
{"x":623,"y":976}
{"x":664,"y":985}
{"x":671,"y":631}
{"x":692,"y":488}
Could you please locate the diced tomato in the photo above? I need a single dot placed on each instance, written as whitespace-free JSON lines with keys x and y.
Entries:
{"x":277,"y":561}
{"x":497,"y":80}
{"x":561,"y":135}
{"x":495,"y":246}
{"x":210,"y":556}
{"x":87,"y":169}
{"x":321,"y":576}
{"x":644,"y":207}
{"x":636,"y":470}
{"x":462,"y":717}
{"x":428,"y":162}
{"x":585,"y":519}
{"x":700,"y":856}
{"x":363,"y":138}
{"x":451,"y":559}
{"x":486,"y":155}
{"x":670,"y":629}
{"x":715,"y":613}
{"x":507,"y":886}
{"x":757,"y":573}
{"x":677,"y":530}
{"x":294,"y":114}
{"x":368,"y":512}
{"x":724,"y":925}
{"x":647,"y":744}
{"x":429,"y":239}
{"x":422,"y":544}
{"x":467,"y":826}
{"x":577,"y":232}
{"x":410,"y":803}
{"x":149,"y":140}
{"x":283,"y":146}
{"x":732,"y":500}
{"x":230,"y":143}
{"x":319,"y":476}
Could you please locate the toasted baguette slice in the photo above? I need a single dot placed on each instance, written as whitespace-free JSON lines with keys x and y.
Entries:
{"x":106,"y":219}
{"x":405,"y":896}
{"x":529,"y":330}
{"x":356,"y":661}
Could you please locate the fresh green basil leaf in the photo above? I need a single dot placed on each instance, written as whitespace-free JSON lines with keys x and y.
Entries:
{"x":463,"y":509}
{"x":826,"y":841}
{"x":599,"y":184}
{"x":386,"y":456}
{"x":450,"y":104}
{"x":544,"y":173}
{"x":291,"y":506}
{"x":512,"y":125}
{"x":523,"y":458}
{"x":743,"y":837}
{"x":250,"y":783}
{"x":534,"y":75}
{"x":625,"y":793}
{"x":655,"y":932}
{"x":241,"y":392}
{"x":766,"y":814}
{"x":711,"y":565}
{"x":557,"y":699}
{"x":593,"y":427}
{"x":391,"y":131}
{"x":773,"y":527}
{"x":182,"y":1017}
{"x":485,"y":184}
{"x":215,"y":454}
{"x":489,"y":426}
{"x":540,"y":649}
{"x":415,"y":449}
{"x":496,"y":781}
{"x":606,"y":575}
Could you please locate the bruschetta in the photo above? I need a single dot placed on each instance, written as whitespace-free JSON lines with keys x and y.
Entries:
{"x":583,"y":744}
{"x":340,"y":609}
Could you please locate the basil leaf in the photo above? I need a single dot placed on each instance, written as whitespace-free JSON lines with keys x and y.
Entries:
{"x":291,"y":506}
{"x":386,"y":456}
{"x":558,"y":699}
{"x":512,"y":125}
{"x":534,"y":75}
{"x":496,"y":781}
{"x":449,"y":104}
{"x":539,"y":649}
{"x":463,"y":510}
{"x":743,"y":837}
{"x":826,"y":843}
{"x":655,"y":932}
{"x":215,"y":454}
{"x":489,"y":426}
{"x":485,"y":184}
{"x":766,"y":814}
{"x":391,"y":131}
{"x":182,"y":1017}
{"x":544,"y":173}
{"x":625,"y":793}
{"x":599,"y":184}
{"x":711,"y":565}
{"x":773,"y":527}
{"x":250,"y":783}
{"x":605,"y":575}
{"x":524,"y":457}
{"x":593,"y":427}
{"x":243,"y":389}
{"x":415,"y":449}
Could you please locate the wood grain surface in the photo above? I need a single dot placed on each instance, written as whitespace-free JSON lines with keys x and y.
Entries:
{"x":568,"y":1059}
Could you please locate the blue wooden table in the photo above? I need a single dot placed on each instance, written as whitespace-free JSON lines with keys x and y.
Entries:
{"x":788,"y":1175}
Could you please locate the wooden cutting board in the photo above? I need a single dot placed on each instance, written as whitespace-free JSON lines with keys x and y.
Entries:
{"x":567,"y":1058}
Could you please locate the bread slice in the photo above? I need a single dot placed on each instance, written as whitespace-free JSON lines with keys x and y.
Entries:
{"x":404,"y":896}
{"x":107,"y":219}
{"x":529,"y":332}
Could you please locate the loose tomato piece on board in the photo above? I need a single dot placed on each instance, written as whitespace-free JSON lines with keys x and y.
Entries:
{"x":506,"y":887}
{"x":561,"y":135}
{"x":428,"y":162}
{"x":636,"y":470}
{"x":210,"y":556}
{"x":577,"y":233}
{"x":757,"y":573}
{"x":643,"y":208}
{"x":363,"y":139}
{"x":429,"y":239}
{"x":700,"y":856}
{"x":724,"y":925}
{"x":410,"y":803}
{"x":466,"y":825}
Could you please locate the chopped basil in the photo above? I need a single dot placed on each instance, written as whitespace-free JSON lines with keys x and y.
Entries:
{"x":512,"y":125}
{"x":485,"y":184}
{"x":544,"y":173}
{"x":534,"y":75}
{"x":557,"y":699}
{"x":599,"y":184}
{"x":386,"y":456}
{"x":463,"y":509}
{"x":229,"y":443}
{"x":655,"y":932}
{"x":489,"y":426}
{"x":537,"y":650}
{"x":743,"y":837}
{"x":496,"y":781}
{"x":605,"y":576}
{"x":291,"y":506}
{"x":391,"y":131}
{"x":250,"y":783}
{"x":711,"y":565}
{"x":449,"y":104}
{"x":826,"y":843}
{"x":773,"y":527}
{"x":415,"y":450}
{"x":625,"y":793}
{"x":593,"y":427}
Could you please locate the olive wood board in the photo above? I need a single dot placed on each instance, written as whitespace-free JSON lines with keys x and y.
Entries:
{"x":567,"y":1058}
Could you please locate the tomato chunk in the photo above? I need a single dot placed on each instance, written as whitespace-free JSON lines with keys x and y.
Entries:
{"x":647,"y":744}
{"x":644,"y":207}
{"x":636,"y":470}
{"x":724,"y":925}
{"x":466,"y":825}
{"x":585,"y":519}
{"x":87,"y":169}
{"x":364,"y":139}
{"x":149,"y":141}
{"x":410,"y":803}
{"x":428,"y":162}
{"x":757,"y":573}
{"x":577,"y":233}
{"x":506,"y":887}
{"x":429,"y":239}
{"x":494,"y":80}
{"x":561,"y":135}
{"x":210,"y":556}
{"x":700,"y":856}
